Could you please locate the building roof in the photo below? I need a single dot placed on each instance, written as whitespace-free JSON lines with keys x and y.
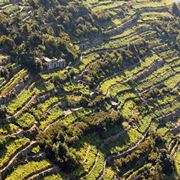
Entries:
{"x":53,"y":59}
{"x":47,"y":59}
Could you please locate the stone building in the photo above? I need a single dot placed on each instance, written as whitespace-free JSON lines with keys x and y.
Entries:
{"x":53,"y":63}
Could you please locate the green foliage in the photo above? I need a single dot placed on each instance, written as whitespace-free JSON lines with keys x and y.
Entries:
{"x":111,"y":112}
{"x":60,"y":46}
{"x":24,"y":170}
{"x":26,"y":120}
{"x":7,"y":43}
{"x":3,"y":111}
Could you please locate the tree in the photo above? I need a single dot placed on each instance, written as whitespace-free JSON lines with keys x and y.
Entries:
{"x":3,"y":111}
{"x":167,"y":164}
{"x":34,"y":40}
{"x":6,"y":44}
{"x":176,"y":9}
{"x":2,"y":143}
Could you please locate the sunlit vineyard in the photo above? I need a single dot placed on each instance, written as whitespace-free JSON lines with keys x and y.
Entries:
{"x":113,"y":112}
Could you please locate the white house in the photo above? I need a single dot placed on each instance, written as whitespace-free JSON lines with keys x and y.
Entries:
{"x":54,"y":63}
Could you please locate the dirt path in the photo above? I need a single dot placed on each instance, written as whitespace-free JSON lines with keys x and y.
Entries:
{"x":95,"y":162}
{"x":26,"y":106}
{"x":13,"y":160}
{"x":120,"y":154}
{"x":87,"y":152}
{"x":41,"y":173}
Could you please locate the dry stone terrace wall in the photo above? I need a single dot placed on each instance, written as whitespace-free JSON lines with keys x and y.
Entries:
{"x":117,"y":108}
{"x":21,"y":153}
{"x":17,"y":88}
{"x":22,"y":10}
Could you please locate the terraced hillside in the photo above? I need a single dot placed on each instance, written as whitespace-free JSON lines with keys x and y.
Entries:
{"x":113,"y":112}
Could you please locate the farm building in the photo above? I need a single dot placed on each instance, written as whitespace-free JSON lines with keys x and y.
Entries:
{"x":53,"y":63}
